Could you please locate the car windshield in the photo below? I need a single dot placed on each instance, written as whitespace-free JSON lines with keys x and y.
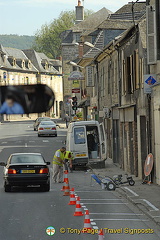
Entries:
{"x":47,"y":123}
{"x":27,"y":158}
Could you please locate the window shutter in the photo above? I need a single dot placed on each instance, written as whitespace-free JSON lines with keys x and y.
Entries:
{"x":90,"y":76}
{"x":151,"y":35}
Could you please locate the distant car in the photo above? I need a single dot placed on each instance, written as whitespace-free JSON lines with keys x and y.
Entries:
{"x":47,"y":128}
{"x":38,"y":120}
{"x":26,"y":169}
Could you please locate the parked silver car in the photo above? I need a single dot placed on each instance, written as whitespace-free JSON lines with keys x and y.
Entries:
{"x":38,"y":120}
{"x":47,"y":128}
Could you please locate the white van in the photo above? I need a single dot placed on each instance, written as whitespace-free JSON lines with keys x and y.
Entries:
{"x":86,"y":140}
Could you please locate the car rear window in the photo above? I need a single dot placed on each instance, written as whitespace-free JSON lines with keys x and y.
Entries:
{"x":27,"y":159}
{"x":47,"y":123}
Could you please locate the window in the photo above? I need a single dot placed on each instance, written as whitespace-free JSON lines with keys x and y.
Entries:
{"x":79,"y":135}
{"x":136,"y":69}
{"x":129,"y":70}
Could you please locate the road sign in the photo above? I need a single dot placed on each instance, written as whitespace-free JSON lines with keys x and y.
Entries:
{"x":76,"y":75}
{"x":149,"y":81}
{"x":76,"y":90}
{"x":148,"y":165}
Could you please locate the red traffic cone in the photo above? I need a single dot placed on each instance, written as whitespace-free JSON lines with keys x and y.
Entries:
{"x":72,"y":198}
{"x":100,"y":234}
{"x":87,"y":223}
{"x":66,"y":189}
{"x":78,"y":210}
{"x":65,"y":179}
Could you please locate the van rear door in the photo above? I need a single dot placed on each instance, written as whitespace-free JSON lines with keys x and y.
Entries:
{"x":80,"y":142}
{"x":103,"y":145}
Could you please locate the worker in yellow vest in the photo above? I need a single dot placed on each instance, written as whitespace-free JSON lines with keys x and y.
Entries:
{"x":58,"y":161}
{"x":68,"y":157}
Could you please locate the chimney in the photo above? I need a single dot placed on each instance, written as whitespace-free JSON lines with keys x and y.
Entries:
{"x":79,"y":12}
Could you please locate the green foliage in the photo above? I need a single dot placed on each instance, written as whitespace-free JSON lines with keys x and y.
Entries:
{"x":16,"y":41}
{"x":47,"y":39}
{"x":79,"y":114}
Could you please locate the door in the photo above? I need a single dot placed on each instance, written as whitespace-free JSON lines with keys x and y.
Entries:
{"x":103,"y":145}
{"x":80,"y":142}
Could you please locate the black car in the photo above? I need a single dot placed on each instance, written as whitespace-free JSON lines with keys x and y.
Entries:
{"x":38,"y":120}
{"x":26,"y":169}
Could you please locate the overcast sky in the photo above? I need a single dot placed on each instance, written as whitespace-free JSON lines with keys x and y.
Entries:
{"x":25,"y":17}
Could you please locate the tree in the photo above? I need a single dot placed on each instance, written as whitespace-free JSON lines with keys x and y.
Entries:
{"x":47,"y":39}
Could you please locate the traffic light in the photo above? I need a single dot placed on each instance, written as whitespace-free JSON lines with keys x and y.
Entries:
{"x":74,"y":103}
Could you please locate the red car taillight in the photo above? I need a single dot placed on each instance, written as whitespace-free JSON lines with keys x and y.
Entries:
{"x":11,"y":171}
{"x":40,"y":128}
{"x":44,"y":170}
{"x":53,"y":128}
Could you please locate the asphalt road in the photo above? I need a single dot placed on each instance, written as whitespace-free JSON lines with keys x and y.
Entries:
{"x":25,"y":214}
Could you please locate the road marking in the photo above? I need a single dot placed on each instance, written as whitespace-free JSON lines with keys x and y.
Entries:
{"x":151,"y":205}
{"x":93,"y":223}
{"x":134,"y":193}
{"x":128,"y":214}
{"x":122,"y":219}
{"x":93,"y":191}
{"x":31,"y":141}
{"x":106,"y":203}
{"x":26,"y":145}
{"x":3,"y":142}
{"x":105,"y":199}
{"x":45,"y":140}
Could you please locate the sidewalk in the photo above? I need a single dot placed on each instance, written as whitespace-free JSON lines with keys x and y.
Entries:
{"x":146,"y":197}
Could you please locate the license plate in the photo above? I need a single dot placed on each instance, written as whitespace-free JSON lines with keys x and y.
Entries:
{"x":80,"y":155}
{"x":27,"y":171}
{"x":47,"y":128}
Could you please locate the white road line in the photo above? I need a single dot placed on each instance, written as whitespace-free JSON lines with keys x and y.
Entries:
{"x":122,"y":219}
{"x":105,"y":199}
{"x":31,"y":141}
{"x":151,"y":205}
{"x":134,"y":193}
{"x":93,"y":223}
{"x":45,"y":140}
{"x":94,"y":191}
{"x":128,"y":214}
{"x":105,"y":203}
{"x":4,"y":142}
{"x":26,"y":145}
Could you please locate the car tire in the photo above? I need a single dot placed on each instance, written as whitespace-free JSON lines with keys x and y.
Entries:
{"x":7,"y":188}
{"x":55,"y":135}
{"x":39,"y":135}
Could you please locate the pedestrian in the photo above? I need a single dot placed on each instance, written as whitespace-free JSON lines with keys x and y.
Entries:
{"x":67,"y":120}
{"x":10,"y":106}
{"x":68,"y":157}
{"x":58,"y":161}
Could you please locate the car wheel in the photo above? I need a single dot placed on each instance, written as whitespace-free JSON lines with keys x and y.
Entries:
{"x":7,"y":188}
{"x":39,"y":135}
{"x":111,"y":186}
{"x":55,"y":135}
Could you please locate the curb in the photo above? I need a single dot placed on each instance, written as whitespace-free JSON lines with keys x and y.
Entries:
{"x":142,"y":207}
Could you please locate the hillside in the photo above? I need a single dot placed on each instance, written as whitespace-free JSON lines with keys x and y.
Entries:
{"x":16,"y":41}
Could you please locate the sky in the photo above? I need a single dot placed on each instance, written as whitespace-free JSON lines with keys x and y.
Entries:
{"x":25,"y":17}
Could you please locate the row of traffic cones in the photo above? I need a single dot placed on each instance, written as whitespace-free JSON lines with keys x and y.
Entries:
{"x":75,"y":200}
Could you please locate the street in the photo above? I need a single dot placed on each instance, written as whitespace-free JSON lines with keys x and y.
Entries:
{"x":26,"y":213}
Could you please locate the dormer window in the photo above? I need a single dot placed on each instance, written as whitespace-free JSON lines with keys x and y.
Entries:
{"x":14,"y":62}
{"x":29,"y":64}
{"x":23,"y":64}
{"x":46,"y":66}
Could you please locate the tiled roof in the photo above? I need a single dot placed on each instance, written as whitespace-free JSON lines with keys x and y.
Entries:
{"x":92,"y":21}
{"x":99,"y":43}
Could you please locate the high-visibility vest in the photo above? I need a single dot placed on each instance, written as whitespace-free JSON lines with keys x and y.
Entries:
{"x":66,"y":155}
{"x":55,"y":158}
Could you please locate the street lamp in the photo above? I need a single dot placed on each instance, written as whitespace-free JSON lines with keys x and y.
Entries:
{"x":91,"y":45}
{"x":75,"y":64}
